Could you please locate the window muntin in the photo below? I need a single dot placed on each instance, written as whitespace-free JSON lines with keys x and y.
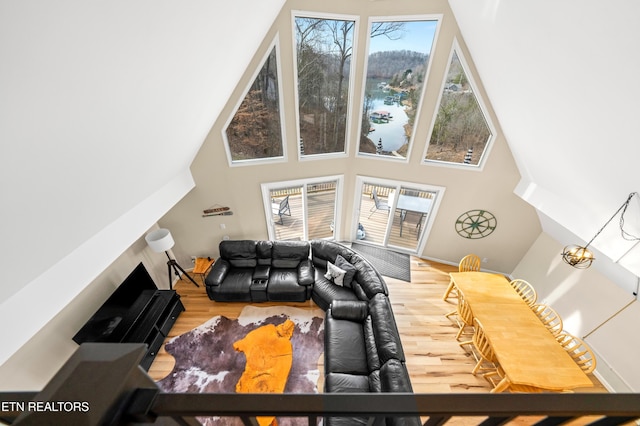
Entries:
{"x":255,"y":131}
{"x":461,"y":132}
{"x":323,"y":50}
{"x":397,"y":67}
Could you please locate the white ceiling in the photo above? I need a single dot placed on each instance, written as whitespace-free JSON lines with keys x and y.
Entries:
{"x":561,"y":79}
{"x":104,"y":104}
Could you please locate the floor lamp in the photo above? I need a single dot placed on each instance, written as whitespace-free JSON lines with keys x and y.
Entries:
{"x":160,"y":241}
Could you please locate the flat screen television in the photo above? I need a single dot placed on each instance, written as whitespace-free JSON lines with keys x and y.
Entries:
{"x":108,"y":324}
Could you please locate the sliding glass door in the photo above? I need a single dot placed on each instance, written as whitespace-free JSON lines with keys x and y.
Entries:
{"x":303,"y":209}
{"x":395,"y":214}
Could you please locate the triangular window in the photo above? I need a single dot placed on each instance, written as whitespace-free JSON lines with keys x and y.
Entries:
{"x":461,"y":133}
{"x":255,"y":130}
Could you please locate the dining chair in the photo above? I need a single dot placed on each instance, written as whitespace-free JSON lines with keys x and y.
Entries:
{"x":549,"y":318}
{"x":579,"y":351}
{"x":281,"y":208}
{"x":378,"y":204}
{"x":525,"y":290}
{"x":469,"y":263}
{"x":463,"y":317}
{"x":497,"y":379}
{"x":481,"y":349}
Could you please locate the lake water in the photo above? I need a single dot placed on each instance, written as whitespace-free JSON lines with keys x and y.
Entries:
{"x":391,"y":133}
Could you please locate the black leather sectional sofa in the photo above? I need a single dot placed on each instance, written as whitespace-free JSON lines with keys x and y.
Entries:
{"x":363,"y":351}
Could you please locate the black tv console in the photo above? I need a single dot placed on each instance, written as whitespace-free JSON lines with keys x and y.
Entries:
{"x":136,"y":312}
{"x":148,"y":320}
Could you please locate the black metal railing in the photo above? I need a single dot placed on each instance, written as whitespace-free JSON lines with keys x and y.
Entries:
{"x":103,"y":384}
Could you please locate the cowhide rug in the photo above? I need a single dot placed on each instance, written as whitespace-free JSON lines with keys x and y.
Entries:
{"x":206,"y":361}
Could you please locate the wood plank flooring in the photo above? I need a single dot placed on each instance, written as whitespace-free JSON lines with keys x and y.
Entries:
{"x":435,"y":361}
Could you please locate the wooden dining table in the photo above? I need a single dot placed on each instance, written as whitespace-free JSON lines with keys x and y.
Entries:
{"x":525,"y":349}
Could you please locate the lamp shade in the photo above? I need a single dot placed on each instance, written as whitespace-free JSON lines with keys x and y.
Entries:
{"x":159,"y":240}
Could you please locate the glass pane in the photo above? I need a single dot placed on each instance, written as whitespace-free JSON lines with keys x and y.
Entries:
{"x":374,"y":213}
{"x":323,"y":53}
{"x":255,"y":131}
{"x":397,"y":64}
{"x":321,"y":206}
{"x":409,"y":220}
{"x":460,"y":133}
{"x":287,"y":213}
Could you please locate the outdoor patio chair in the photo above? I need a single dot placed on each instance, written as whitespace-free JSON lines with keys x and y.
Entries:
{"x":281,"y":208}
{"x":379,"y":205}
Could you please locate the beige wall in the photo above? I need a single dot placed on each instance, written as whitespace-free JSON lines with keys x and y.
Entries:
{"x":239,"y":187}
{"x":33,"y":365}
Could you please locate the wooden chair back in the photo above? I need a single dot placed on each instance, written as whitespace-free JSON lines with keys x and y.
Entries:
{"x":483,"y":347}
{"x":463,"y":316}
{"x":526,"y":291}
{"x":549,"y":318}
{"x":469,"y":263}
{"x":579,"y":351}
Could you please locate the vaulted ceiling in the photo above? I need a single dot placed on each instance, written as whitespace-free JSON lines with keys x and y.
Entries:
{"x":559,"y":77}
{"x":103,"y":107}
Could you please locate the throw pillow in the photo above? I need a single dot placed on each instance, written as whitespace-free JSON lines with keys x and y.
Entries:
{"x":334,"y":274}
{"x":350,"y":270}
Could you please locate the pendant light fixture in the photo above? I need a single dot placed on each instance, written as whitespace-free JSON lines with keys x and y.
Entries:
{"x":581,"y":257}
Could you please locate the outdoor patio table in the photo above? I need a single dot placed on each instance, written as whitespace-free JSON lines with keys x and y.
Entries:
{"x":410,"y":203}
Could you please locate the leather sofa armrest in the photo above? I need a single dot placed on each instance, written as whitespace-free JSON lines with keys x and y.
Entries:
{"x":306,"y":273}
{"x":261,"y":272}
{"x":353,"y":310}
{"x":218,"y":273}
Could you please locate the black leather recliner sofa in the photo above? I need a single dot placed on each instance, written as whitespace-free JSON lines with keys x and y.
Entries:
{"x":259,"y":271}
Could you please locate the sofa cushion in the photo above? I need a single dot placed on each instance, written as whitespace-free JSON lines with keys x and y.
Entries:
{"x":325,"y":292}
{"x":373,"y":360}
{"x":283,"y":286}
{"x":348,"y":268}
{"x":240,"y":254}
{"x":323,"y":251}
{"x":263,"y":252}
{"x":394,"y":377}
{"x":374,"y":381}
{"x":385,"y":330}
{"x":352,"y":310}
{"x":335,"y":274}
{"x":340,"y":382}
{"x":235,"y":287}
{"x":344,"y":347}
{"x":288,"y":254}
{"x":368,"y":277}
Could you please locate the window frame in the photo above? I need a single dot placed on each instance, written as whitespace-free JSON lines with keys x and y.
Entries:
{"x":350,"y":93}
{"x":266,"y":188}
{"x":360,"y":180}
{"x":438,"y":17}
{"x":275,"y":44}
{"x":456,"y":48}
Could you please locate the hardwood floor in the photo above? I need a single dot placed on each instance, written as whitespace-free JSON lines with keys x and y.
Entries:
{"x":435,"y":361}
